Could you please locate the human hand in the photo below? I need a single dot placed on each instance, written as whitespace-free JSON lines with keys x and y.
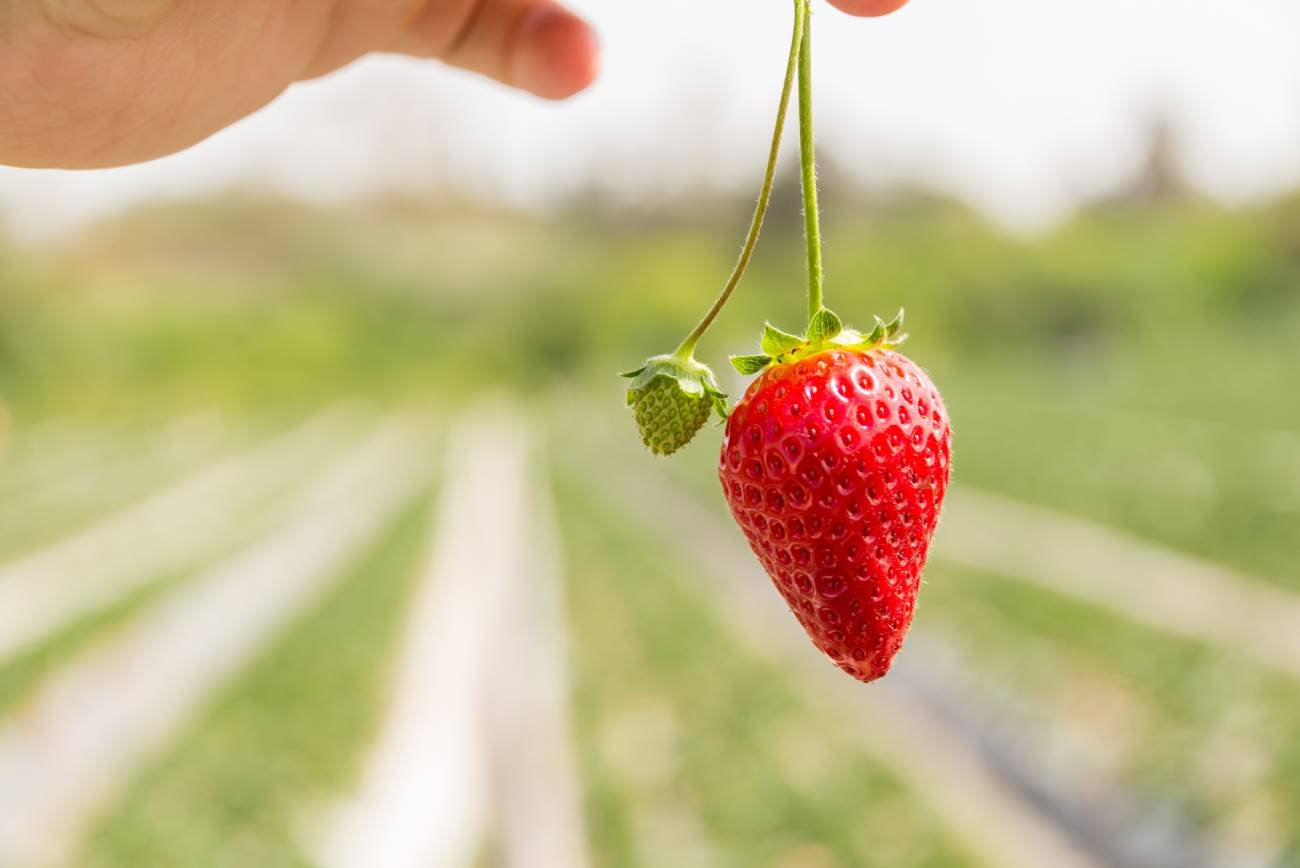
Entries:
{"x":94,"y":83}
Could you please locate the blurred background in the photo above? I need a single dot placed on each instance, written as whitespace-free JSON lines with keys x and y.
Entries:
{"x":325,"y":537}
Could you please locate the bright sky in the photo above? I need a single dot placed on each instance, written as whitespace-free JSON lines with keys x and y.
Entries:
{"x":1022,"y":107}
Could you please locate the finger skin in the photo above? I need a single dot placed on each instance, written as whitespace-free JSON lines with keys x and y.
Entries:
{"x":98,"y":90}
{"x":98,"y":83}
{"x":557,"y":54}
{"x":868,"y":8}
{"x":559,"y":57}
{"x":535,"y":45}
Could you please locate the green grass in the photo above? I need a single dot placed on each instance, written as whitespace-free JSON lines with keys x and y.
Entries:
{"x":285,"y":736}
{"x":1207,"y":486}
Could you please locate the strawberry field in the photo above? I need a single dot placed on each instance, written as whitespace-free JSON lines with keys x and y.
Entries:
{"x":326,"y":539}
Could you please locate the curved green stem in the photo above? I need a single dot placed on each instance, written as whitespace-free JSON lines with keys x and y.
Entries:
{"x":808,"y":164}
{"x":687,"y":347}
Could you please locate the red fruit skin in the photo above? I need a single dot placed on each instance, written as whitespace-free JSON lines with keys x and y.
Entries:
{"x":835,"y":467}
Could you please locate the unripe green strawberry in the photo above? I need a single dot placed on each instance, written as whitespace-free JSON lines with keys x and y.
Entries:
{"x":668,"y":417}
{"x":673,"y":398}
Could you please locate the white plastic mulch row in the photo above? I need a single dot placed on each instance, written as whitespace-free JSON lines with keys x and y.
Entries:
{"x":46,"y":590}
{"x":50,"y":476}
{"x":477,"y":735}
{"x":1144,"y":582}
{"x":989,"y":815}
{"x":38,"y":454}
{"x":534,"y":778}
{"x":72,"y":745}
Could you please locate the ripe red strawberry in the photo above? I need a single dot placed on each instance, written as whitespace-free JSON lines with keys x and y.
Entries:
{"x":835,"y":465}
{"x":836,"y":461}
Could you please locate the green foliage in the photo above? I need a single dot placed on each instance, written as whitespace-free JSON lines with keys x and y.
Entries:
{"x":390,"y":304}
{"x":747,"y":365}
{"x":824,"y":326}
{"x":776,"y":342}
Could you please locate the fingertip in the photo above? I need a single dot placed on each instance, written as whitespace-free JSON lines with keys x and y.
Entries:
{"x":868,"y":8}
{"x":557,"y":53}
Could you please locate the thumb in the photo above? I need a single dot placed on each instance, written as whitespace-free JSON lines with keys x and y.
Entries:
{"x":535,"y":45}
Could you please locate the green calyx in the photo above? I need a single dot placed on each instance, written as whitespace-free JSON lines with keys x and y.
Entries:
{"x":825,"y":332}
{"x":673,"y":398}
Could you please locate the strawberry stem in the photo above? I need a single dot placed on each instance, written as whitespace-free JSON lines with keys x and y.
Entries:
{"x":687,"y":347}
{"x":808,"y":164}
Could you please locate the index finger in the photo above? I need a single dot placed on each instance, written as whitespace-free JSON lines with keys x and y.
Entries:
{"x":868,"y":8}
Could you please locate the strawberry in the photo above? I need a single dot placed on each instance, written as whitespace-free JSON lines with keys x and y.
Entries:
{"x":672,"y":397}
{"x":835,"y":464}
